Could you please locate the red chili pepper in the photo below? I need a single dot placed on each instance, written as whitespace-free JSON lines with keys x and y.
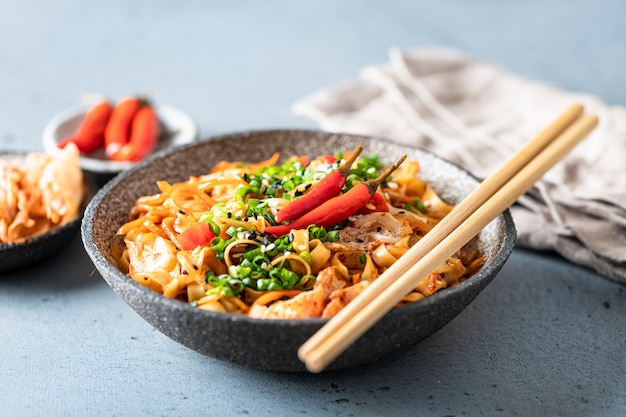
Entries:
{"x":198,"y":234}
{"x":329,"y":159}
{"x":329,"y":187}
{"x":144,"y":136}
{"x":339,"y":208}
{"x":117,"y":132}
{"x":304,"y":160}
{"x":90,"y":134}
{"x":377,"y":204}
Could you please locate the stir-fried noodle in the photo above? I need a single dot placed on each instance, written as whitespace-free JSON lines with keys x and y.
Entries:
{"x":213,"y":241}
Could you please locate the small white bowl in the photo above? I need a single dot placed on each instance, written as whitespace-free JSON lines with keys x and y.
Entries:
{"x":178,"y":129}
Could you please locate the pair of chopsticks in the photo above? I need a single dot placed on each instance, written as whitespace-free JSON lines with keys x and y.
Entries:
{"x":492,"y":197}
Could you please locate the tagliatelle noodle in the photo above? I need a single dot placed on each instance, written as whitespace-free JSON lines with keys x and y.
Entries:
{"x":220,"y":279}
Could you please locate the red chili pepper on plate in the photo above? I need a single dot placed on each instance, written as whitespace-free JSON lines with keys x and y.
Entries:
{"x":329,"y":187}
{"x":338,"y":208}
{"x":144,"y":136}
{"x":90,"y":134}
{"x":118,"y":130}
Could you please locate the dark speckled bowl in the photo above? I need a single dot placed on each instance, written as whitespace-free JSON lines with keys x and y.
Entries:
{"x":15,"y":255}
{"x":272,"y":344}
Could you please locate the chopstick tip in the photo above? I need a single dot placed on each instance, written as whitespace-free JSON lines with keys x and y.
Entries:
{"x":303,"y":352}
{"x":312,"y":364}
{"x":593,"y":119}
{"x":314,"y":367}
{"x":578,"y":106}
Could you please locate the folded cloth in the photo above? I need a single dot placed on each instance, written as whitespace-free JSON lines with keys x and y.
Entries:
{"x":477,"y":115}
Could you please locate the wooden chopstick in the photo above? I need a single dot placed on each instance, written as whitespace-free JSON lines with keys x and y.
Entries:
{"x":461,"y":211}
{"x":491,"y":198}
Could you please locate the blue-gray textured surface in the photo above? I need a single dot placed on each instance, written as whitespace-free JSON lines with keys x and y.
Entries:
{"x":546,"y":338}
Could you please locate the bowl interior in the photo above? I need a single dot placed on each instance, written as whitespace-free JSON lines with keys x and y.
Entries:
{"x":272,"y":344}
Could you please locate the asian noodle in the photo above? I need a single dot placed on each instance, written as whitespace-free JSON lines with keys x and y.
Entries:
{"x":204,"y":241}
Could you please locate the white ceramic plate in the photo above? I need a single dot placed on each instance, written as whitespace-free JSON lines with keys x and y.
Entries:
{"x":178,"y":129}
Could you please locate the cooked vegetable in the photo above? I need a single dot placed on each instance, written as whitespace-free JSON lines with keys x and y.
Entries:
{"x":339,"y":208}
{"x":376,"y":204}
{"x":39,"y":193}
{"x":197,"y":235}
{"x":330,"y":186}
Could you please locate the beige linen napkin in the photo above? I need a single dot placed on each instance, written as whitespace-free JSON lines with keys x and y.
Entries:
{"x":477,"y":115}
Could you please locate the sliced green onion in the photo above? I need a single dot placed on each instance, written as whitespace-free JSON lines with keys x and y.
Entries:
{"x":306,"y":256}
{"x":417,"y":203}
{"x":274,"y":285}
{"x":232,"y":231}
{"x":306,"y":282}
{"x":333,"y":236}
{"x":218,"y":244}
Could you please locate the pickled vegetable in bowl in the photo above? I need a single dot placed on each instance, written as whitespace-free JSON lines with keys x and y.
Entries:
{"x":41,"y":203}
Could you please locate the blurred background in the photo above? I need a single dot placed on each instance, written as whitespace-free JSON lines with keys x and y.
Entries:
{"x":240,"y":65}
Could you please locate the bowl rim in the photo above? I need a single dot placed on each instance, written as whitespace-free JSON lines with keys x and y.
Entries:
{"x":487,"y":272}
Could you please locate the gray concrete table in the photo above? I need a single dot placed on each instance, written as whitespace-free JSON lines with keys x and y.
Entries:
{"x":546,"y":337}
